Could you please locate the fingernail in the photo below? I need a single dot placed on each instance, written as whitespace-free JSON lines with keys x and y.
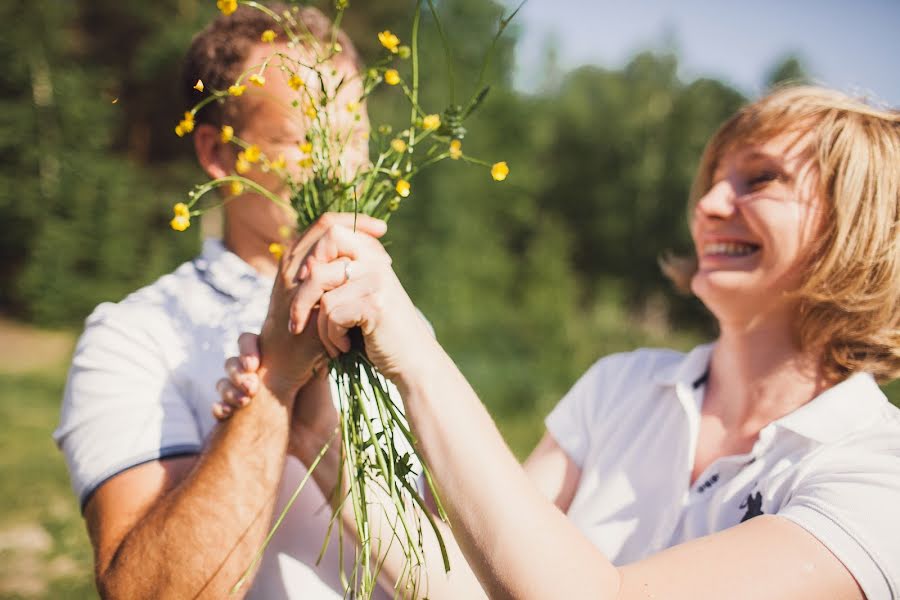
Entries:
{"x":304,"y":271}
{"x":245,"y":363}
{"x":291,"y":325}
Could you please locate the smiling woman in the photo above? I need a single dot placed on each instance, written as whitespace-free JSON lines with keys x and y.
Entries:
{"x":763,"y":465}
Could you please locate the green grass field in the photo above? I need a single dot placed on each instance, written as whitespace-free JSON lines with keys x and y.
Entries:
{"x":44,"y":551}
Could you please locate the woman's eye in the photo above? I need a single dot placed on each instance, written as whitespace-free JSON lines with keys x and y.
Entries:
{"x":760,"y":179}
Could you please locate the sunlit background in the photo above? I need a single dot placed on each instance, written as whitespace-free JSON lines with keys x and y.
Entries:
{"x":600,"y":108}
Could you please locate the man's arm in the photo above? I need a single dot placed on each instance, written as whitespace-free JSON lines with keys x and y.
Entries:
{"x":189,"y":527}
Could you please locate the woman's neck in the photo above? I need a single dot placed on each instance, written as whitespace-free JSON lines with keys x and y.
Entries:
{"x":758,"y":374}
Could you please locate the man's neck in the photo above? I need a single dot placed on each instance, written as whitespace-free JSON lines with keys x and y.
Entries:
{"x":253,"y":250}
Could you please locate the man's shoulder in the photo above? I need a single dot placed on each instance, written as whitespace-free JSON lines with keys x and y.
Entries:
{"x":153,"y":310}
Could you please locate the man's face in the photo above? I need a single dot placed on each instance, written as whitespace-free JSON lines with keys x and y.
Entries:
{"x":270,"y":119}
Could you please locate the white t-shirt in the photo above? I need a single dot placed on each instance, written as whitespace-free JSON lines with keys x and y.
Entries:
{"x":832,"y":466}
{"x":141,"y":387}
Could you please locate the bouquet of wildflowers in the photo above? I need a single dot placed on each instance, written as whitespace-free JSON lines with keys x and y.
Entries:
{"x":377,"y":446}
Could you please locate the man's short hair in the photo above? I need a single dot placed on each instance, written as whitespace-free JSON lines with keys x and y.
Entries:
{"x":218,"y":53}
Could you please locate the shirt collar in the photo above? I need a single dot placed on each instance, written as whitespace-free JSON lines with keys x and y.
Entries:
{"x":837,"y":411}
{"x":227,"y":273}
{"x":690,"y":370}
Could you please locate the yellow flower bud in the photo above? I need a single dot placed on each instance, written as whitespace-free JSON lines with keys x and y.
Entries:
{"x":431,"y":122}
{"x":391,"y":77}
{"x":199,"y":85}
{"x":242,"y":165}
{"x":236,"y":188}
{"x":181,"y":210}
{"x":236,"y":90}
{"x":252,"y":153}
{"x":276,"y":250}
{"x":226,"y":6}
{"x":398,"y":145}
{"x":306,"y":147}
{"x":389,"y":41}
{"x":180,"y":223}
{"x":268,"y":36}
{"x":296,"y":82}
{"x":499,"y":171}
{"x":455,"y":149}
{"x":402,"y":188}
{"x":257,"y":79}
{"x":227,"y":133}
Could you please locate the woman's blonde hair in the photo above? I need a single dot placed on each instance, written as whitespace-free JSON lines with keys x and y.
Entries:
{"x":849,"y":302}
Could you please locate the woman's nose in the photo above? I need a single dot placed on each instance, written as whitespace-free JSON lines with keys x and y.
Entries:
{"x":719,"y":202}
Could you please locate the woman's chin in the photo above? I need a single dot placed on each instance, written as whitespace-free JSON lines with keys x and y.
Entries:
{"x":723,"y":289}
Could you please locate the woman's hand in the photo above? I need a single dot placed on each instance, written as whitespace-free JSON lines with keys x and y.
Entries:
{"x":292,"y":353}
{"x":350,"y":276}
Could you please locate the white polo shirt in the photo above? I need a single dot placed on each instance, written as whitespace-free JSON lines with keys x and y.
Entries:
{"x":141,"y":387}
{"x":832,"y":466}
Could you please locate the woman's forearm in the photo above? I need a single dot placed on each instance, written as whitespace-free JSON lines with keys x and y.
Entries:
{"x":518,"y":543}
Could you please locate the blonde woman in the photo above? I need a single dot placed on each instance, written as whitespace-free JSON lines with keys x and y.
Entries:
{"x":763,"y":465}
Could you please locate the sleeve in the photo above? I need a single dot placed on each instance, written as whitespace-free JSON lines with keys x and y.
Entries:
{"x":121,"y":406}
{"x":572,"y":422}
{"x":849,"y":501}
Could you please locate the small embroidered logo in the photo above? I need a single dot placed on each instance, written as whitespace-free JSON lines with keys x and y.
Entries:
{"x":753,"y":504}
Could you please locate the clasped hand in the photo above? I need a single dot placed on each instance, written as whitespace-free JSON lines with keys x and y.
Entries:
{"x":335,"y":277}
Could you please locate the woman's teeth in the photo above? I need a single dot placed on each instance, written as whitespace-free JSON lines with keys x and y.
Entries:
{"x":729,"y":249}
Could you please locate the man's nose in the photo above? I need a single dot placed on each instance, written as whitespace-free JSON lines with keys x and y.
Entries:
{"x":719,"y":202}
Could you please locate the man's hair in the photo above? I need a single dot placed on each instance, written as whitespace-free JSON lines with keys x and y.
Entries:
{"x":849,"y":301}
{"x":218,"y":53}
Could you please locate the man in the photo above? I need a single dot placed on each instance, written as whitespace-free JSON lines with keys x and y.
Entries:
{"x":177,"y":506}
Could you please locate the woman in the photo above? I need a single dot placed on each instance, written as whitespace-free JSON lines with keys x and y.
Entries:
{"x":763,"y":465}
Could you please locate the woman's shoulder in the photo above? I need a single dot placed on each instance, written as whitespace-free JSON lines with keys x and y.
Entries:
{"x":650,"y":366}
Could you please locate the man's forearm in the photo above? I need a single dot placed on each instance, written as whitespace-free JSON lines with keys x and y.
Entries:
{"x":198,"y":539}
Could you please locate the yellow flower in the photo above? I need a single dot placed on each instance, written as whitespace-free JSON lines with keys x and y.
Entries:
{"x":276,"y":250}
{"x":455,"y":149}
{"x":402,"y":188}
{"x":310,"y":111}
{"x":236,"y":90}
{"x":295,"y":81}
{"x":389,"y":41}
{"x":279,"y":163}
{"x":257,"y":79}
{"x":226,"y":6}
{"x":252,"y":153}
{"x":236,"y":188}
{"x":398,"y":145}
{"x":284,"y":232}
{"x":391,"y":77}
{"x":227,"y":133}
{"x":180,"y":223}
{"x":499,"y":171}
{"x":305,"y":162}
{"x":306,"y":148}
{"x":199,"y":85}
{"x":431,"y":122}
{"x":352,"y":107}
{"x":242,"y":165}
{"x":186,"y":125}
{"x":268,"y":36}
{"x":181,"y":210}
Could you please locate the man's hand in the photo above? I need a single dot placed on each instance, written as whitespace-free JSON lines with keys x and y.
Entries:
{"x":290,"y":360}
{"x":314,"y":416}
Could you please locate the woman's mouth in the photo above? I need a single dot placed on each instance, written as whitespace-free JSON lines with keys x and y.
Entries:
{"x":729,"y":249}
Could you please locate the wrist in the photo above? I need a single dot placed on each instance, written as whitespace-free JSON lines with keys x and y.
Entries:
{"x":284,"y":389}
{"x":430,"y":360}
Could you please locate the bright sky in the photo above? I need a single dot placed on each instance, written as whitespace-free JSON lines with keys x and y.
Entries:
{"x":851,"y":45}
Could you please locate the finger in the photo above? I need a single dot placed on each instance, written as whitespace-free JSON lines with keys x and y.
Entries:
{"x":322,"y":324}
{"x":248,"y":383}
{"x":220,"y":411}
{"x":248,"y":348}
{"x":342,"y":242}
{"x":353,"y":221}
{"x":231,"y":394}
{"x":322,"y":278}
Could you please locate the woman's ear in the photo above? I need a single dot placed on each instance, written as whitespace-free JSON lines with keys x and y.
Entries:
{"x":214,"y":157}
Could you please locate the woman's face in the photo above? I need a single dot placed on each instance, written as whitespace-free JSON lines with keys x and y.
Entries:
{"x":754,"y":228}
